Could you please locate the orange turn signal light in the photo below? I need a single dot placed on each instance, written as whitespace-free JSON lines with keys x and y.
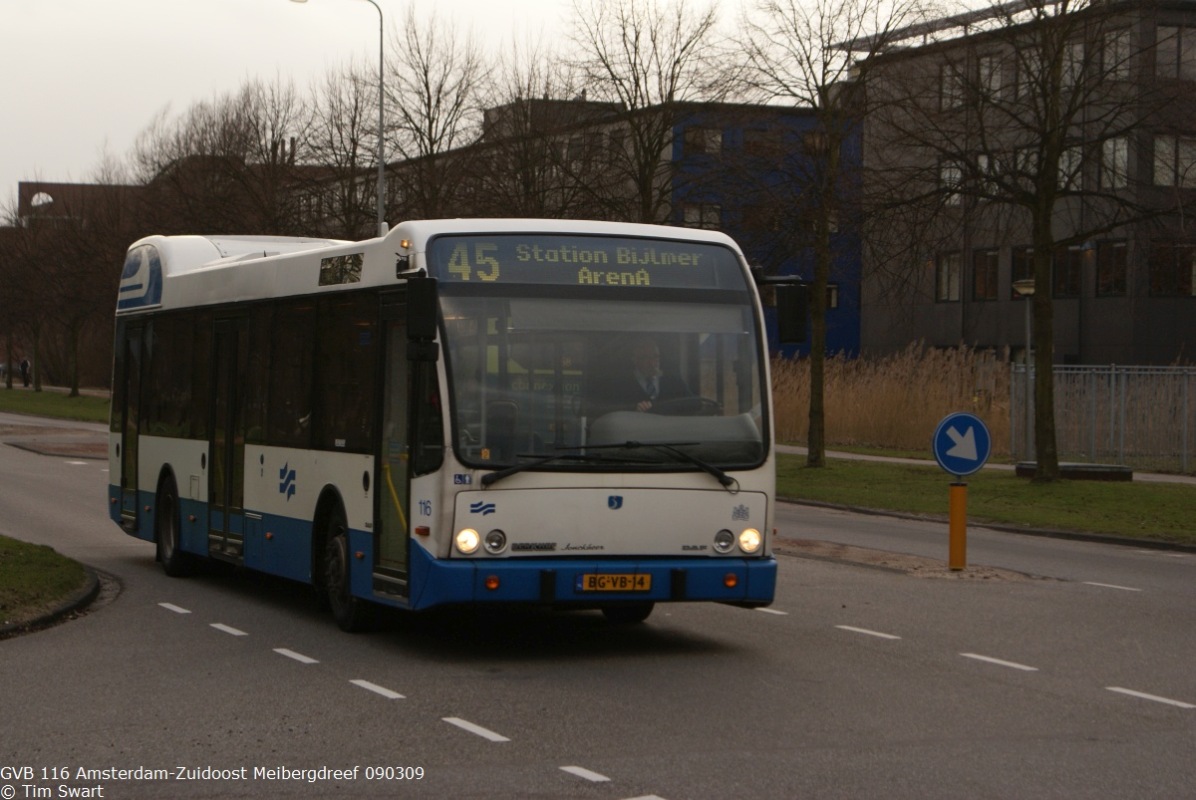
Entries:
{"x":730,"y":580}
{"x":492,"y":582}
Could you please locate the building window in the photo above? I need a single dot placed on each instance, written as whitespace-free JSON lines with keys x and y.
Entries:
{"x":1073,"y":64}
{"x":1111,"y":268}
{"x":816,"y":143}
{"x":1067,"y":269}
{"x":762,"y":143}
{"x":703,"y":141}
{"x":1173,"y":270}
{"x":763,"y":217}
{"x":1071,"y":165}
{"x":984,"y":274}
{"x":1175,"y":52}
{"x":702,"y":215}
{"x":946,"y":282}
{"x":1029,"y":74}
{"x":992,"y":78}
{"x":1116,"y":55}
{"x":951,"y":86}
{"x":1174,"y":162}
{"x":1114,"y":163}
{"x":832,"y":295}
{"x":950,"y":178}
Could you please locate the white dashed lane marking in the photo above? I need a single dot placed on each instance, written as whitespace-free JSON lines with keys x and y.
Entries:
{"x":589,"y":775}
{"x":302,"y":659}
{"x":1112,"y":586}
{"x":1152,"y":697}
{"x":220,"y":626}
{"x":376,"y":689}
{"x":466,"y":725}
{"x":1000,"y":662}
{"x":867,"y":632}
{"x":174,"y":608}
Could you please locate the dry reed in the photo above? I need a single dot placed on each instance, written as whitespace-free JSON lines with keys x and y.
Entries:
{"x":895,"y":402}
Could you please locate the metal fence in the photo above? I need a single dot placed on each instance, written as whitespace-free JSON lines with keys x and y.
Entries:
{"x":1142,"y":417}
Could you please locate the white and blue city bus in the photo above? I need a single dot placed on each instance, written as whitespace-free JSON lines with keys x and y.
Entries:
{"x":429,"y":417}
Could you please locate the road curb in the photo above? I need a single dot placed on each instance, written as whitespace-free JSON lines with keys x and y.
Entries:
{"x":76,"y":602}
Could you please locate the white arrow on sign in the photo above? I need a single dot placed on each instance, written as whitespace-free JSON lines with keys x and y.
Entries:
{"x":965,"y":444}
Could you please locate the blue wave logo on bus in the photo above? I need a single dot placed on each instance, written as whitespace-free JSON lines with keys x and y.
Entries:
{"x":482,"y":508}
{"x":141,"y":279}
{"x":287,"y":478}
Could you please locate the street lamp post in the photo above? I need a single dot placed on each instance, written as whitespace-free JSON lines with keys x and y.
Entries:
{"x":1025,"y":290}
{"x":382,"y":226}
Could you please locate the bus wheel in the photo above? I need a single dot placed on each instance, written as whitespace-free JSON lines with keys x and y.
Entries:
{"x":628,"y":613}
{"x":167,"y":534}
{"x":351,"y":613}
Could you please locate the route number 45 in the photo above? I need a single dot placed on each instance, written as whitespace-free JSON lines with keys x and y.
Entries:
{"x":484,"y":265}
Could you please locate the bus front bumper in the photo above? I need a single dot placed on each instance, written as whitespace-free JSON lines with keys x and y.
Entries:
{"x":592,"y":582}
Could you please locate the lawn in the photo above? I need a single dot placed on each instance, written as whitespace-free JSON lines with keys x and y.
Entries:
{"x":54,"y":403}
{"x":33,"y":580}
{"x":1139,"y":510}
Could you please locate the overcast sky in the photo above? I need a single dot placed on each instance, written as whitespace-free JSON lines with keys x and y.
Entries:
{"x":81,"y":78}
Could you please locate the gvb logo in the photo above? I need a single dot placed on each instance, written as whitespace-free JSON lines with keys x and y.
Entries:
{"x":482,"y":508}
{"x":287,"y":478}
{"x":614,"y":502}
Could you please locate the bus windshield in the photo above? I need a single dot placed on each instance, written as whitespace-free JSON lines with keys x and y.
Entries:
{"x":599,"y":375}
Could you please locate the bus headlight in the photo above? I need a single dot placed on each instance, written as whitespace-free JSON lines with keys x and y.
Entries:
{"x":496,"y":542}
{"x":468,"y":541}
{"x":724,"y":540}
{"x":750,"y":540}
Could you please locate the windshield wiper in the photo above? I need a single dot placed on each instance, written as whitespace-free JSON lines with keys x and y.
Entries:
{"x":672,"y":448}
{"x":491,"y":477}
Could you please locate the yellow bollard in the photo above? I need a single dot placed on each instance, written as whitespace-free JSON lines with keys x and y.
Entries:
{"x":957,"y":552}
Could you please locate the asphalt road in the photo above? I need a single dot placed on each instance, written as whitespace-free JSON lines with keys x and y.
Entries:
{"x":1069,"y":676}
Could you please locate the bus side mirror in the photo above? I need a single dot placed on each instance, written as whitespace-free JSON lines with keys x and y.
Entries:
{"x":793,"y":309}
{"x":422,"y":306}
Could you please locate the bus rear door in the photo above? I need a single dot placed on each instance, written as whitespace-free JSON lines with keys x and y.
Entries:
{"x":226,"y":532}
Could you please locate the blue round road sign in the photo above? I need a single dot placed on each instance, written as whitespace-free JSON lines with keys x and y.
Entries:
{"x":961,"y":444}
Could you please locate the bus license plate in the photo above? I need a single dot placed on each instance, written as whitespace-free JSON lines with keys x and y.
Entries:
{"x":614,"y":583}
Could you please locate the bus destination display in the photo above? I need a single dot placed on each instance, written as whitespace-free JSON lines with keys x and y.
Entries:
{"x":583,"y":261}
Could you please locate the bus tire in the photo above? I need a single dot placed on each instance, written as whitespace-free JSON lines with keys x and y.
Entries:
{"x":352,"y":614}
{"x":167,"y":531}
{"x":628,"y":613}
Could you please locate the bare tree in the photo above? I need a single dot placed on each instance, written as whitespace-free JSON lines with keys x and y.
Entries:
{"x":434,"y":90}
{"x":85,"y":276}
{"x":271,"y":118}
{"x":542,"y":148}
{"x":226,"y":165}
{"x":340,"y":146}
{"x":1023,"y":128}
{"x":814,"y":55}
{"x":646,"y":56}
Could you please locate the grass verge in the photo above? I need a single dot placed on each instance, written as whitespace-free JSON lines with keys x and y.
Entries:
{"x":1136,"y":510}
{"x":34,"y":580}
{"x":54,"y":403}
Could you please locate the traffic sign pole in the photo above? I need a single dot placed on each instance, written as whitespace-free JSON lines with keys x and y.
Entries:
{"x":961,"y":445}
{"x":957,"y":549}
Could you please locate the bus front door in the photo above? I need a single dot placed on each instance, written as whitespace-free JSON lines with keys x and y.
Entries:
{"x":130,"y":397}
{"x":394,"y":521}
{"x":226,"y":533}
